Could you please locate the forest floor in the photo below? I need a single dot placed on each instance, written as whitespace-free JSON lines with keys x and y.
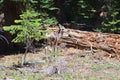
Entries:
{"x":66,"y":64}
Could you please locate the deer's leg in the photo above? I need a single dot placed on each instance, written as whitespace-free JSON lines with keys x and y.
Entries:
{"x":55,"y":45}
{"x":52,"y":46}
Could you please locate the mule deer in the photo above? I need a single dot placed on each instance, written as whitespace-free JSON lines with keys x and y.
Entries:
{"x":54,"y":37}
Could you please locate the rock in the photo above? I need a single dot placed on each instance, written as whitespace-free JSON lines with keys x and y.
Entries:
{"x":50,"y":70}
{"x":61,"y":61}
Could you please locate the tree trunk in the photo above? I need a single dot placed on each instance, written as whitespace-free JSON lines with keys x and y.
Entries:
{"x":90,"y":40}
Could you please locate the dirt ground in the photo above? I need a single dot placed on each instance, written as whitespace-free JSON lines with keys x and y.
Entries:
{"x":65,"y":64}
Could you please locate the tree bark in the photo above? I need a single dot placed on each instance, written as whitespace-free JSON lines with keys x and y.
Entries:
{"x":90,"y":40}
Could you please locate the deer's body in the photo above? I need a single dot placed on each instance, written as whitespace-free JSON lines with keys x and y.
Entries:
{"x":54,"y":37}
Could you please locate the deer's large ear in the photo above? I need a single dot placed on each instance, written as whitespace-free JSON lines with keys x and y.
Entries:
{"x":62,"y":28}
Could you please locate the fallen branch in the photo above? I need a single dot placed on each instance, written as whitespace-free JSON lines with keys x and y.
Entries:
{"x":83,"y":39}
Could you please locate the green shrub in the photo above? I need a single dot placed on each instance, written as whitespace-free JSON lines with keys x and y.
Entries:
{"x":112,"y":22}
{"x":27,"y":29}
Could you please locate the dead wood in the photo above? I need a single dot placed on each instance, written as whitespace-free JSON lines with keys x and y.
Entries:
{"x":92,"y":40}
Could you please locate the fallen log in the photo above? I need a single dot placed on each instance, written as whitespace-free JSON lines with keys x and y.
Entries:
{"x":93,"y":40}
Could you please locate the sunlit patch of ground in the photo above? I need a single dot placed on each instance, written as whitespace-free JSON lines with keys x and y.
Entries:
{"x":72,"y":64}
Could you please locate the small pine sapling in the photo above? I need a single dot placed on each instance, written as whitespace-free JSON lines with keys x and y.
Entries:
{"x":27,"y":29}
